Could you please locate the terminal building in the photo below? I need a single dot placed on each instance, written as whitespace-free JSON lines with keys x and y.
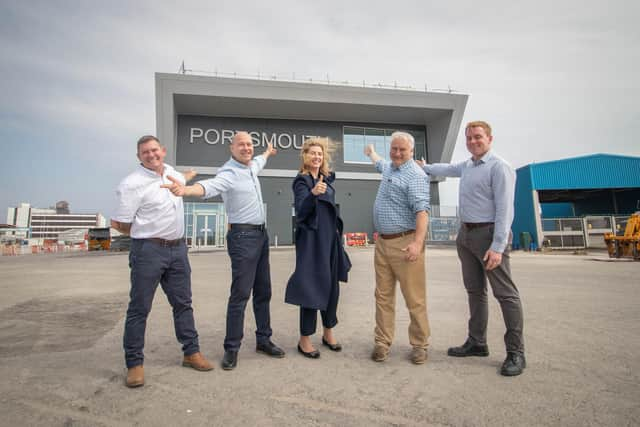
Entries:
{"x":197,"y":116}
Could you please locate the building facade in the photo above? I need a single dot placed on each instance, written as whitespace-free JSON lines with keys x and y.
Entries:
{"x":46,"y":224}
{"x":197,"y":116}
{"x":572,"y":203}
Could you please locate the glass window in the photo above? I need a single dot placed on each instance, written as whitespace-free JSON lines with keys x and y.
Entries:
{"x":356,"y":138}
{"x":420,"y":150}
{"x":354,"y":143}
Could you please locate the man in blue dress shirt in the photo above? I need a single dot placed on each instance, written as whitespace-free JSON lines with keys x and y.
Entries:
{"x":400,"y":216}
{"x":247,"y":243}
{"x":487,"y":187}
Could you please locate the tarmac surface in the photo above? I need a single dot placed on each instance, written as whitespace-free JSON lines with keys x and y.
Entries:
{"x":61,"y":359}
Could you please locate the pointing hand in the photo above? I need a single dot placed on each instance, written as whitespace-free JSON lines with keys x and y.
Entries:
{"x":176,"y":187}
{"x":269,"y":151}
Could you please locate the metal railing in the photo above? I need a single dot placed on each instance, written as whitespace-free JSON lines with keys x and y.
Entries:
{"x":297,"y":78}
{"x":579,"y":233}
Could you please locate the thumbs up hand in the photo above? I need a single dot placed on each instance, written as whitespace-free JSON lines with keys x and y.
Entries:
{"x":320,"y":187}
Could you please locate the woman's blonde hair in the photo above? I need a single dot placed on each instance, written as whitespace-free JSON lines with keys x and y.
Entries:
{"x":326,"y":145}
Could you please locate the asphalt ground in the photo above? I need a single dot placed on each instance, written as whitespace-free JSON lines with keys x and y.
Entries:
{"x":61,"y":359}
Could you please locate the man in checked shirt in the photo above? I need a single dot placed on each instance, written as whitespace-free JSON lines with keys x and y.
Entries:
{"x":400,"y":216}
{"x":487,"y":187}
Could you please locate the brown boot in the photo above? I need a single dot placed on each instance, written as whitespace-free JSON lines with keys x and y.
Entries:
{"x":135,"y":376}
{"x":197,"y":362}
{"x":419,"y":355}
{"x":380,"y":353}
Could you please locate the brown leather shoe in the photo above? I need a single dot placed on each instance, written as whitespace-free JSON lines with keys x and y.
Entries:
{"x":135,"y":376}
{"x":419,"y":355}
{"x":380,"y":353}
{"x":197,"y":362}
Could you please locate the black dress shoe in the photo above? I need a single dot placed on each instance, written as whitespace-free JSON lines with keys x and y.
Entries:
{"x":469,"y":349}
{"x":229,"y":360}
{"x":310,"y":354}
{"x":513,"y":365}
{"x":270,"y":349}
{"x":333,"y":347}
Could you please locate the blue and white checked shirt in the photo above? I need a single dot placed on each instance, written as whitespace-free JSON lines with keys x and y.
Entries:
{"x":487,"y":190}
{"x":240,"y":189}
{"x":403,"y":192}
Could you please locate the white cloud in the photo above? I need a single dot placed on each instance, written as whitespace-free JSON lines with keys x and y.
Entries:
{"x":557,"y":79}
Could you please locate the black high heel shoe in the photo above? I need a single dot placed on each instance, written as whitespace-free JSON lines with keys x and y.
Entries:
{"x":310,"y":354}
{"x":333,"y":347}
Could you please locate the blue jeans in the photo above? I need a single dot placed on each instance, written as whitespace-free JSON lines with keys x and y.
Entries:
{"x":151,"y":264}
{"x":249,"y":253}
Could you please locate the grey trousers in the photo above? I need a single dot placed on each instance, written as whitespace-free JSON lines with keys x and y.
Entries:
{"x":472,"y":245}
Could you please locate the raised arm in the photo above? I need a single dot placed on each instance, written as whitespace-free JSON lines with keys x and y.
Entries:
{"x":269,"y":151}
{"x":442,"y":169}
{"x":370,"y":152}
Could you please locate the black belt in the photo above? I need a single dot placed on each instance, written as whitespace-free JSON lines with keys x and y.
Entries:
{"x":165,"y":243}
{"x":396,"y":235}
{"x":472,"y":225}
{"x":257,"y":227}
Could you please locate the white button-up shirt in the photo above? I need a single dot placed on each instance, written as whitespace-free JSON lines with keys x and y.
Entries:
{"x":151,"y":210}
{"x":240,"y":189}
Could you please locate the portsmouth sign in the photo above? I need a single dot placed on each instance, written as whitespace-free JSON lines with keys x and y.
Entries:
{"x":204,"y":141}
{"x":282,"y":141}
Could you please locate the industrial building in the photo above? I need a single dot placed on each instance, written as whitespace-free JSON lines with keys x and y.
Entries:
{"x":38,"y":225}
{"x":197,"y":116}
{"x":571,"y":203}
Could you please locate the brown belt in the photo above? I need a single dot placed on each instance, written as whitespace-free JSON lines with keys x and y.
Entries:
{"x":472,"y":225}
{"x":396,"y":235}
{"x":166,"y":243}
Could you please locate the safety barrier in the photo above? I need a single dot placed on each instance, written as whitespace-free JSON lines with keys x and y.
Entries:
{"x":356,"y":239}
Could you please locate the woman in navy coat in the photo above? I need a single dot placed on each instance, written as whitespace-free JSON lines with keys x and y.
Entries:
{"x":321,"y":260}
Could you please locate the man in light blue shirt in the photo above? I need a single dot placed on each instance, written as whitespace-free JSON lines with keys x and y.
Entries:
{"x":247,"y":242}
{"x":400,"y":215}
{"x":487,"y":187}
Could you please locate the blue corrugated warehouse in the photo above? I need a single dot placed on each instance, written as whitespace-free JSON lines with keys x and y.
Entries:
{"x":578,"y":187}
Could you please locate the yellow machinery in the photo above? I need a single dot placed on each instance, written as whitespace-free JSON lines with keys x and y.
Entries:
{"x":628,"y":245}
{"x":99,"y":239}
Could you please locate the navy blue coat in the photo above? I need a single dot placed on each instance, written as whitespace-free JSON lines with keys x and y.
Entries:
{"x":320,"y":256}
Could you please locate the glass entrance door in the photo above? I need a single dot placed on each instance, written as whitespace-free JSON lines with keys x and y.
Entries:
{"x":206,"y":226}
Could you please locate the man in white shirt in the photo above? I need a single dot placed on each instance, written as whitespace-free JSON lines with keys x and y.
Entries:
{"x":155,"y":220}
{"x":247,"y":243}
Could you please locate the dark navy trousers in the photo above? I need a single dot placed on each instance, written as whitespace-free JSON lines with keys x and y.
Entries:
{"x":250,"y":273}
{"x":152,"y":263}
{"x":309,"y":316}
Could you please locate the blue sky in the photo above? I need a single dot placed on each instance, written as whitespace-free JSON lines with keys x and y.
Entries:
{"x":555,"y":79}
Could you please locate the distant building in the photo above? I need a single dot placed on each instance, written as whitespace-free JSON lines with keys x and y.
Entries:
{"x":572,"y":203}
{"x":36,"y":223}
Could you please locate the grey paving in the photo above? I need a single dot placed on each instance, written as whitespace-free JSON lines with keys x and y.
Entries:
{"x":61,"y":362}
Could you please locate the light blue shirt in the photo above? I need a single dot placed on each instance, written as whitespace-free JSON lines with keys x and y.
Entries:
{"x":403,"y":192}
{"x":487,"y":189}
{"x":240,"y":189}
